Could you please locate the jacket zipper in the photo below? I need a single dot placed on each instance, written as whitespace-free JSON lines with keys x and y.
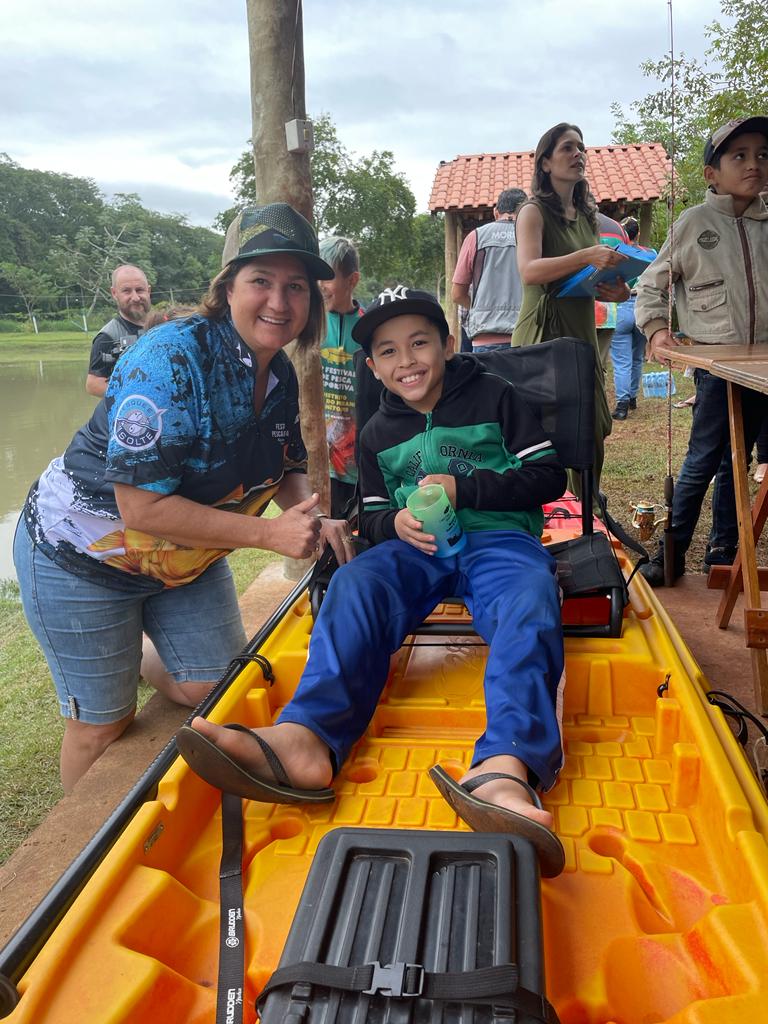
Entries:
{"x":750,"y":279}
{"x":703,"y":287}
{"x":427,"y":453}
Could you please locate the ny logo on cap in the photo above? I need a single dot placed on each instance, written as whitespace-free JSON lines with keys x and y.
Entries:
{"x":393,"y":294}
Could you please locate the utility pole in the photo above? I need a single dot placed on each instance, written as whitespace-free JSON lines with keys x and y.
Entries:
{"x":276,"y":44}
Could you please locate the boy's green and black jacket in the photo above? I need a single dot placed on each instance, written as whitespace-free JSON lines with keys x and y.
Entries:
{"x":480,"y":432}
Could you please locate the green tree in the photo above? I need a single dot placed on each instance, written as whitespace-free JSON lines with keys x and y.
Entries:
{"x":731,"y":82}
{"x":37,"y":205}
{"x":36,"y":290}
{"x":329,"y":163}
{"x":63,"y":227}
{"x":375,"y":207}
{"x":365,"y":199}
{"x":426,"y":258}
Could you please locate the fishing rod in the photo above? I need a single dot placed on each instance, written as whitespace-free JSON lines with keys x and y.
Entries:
{"x":669,"y":482}
{"x":645,"y":513}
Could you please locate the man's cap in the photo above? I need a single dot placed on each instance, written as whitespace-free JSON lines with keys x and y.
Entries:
{"x":719,"y":137}
{"x":397,"y":301}
{"x":276,"y":228}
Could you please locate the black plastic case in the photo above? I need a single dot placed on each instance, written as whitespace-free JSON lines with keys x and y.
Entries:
{"x":447,"y":901}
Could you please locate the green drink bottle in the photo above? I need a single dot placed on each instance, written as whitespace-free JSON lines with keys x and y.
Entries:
{"x":430,"y":505}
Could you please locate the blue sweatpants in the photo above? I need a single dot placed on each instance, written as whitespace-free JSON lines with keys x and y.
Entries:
{"x":508,"y":581}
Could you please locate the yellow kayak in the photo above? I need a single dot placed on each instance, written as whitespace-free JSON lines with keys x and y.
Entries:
{"x":661,"y":913}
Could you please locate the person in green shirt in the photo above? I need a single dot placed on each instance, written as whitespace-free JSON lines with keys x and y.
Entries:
{"x":337,"y":352}
{"x":557,"y":235}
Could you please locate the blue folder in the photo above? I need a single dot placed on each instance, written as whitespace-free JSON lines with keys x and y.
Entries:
{"x":583,"y":283}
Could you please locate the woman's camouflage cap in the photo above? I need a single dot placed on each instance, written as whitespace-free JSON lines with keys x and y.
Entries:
{"x":276,"y":228}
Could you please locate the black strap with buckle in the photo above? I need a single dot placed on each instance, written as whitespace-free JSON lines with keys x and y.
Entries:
{"x":229,"y":1001}
{"x":497,"y":986}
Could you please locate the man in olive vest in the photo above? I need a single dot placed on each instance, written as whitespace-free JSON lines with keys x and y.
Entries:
{"x":486,"y":280}
{"x":131,"y":292}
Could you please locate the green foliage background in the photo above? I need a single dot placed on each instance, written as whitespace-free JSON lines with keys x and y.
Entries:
{"x":731,"y":82}
{"x":367,"y":200}
{"x":60,"y":239}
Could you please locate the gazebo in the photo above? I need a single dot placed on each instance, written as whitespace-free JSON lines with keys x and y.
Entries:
{"x":624,"y":179}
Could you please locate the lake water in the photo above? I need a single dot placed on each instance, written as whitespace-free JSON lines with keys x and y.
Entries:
{"x":42,"y":403}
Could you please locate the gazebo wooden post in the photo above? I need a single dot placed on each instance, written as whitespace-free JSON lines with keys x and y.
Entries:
{"x":646,"y":221}
{"x":452,"y":229}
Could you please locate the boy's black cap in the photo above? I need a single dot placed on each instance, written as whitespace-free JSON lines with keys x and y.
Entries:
{"x":397,"y":301}
{"x":266,"y":230}
{"x":721,"y":135}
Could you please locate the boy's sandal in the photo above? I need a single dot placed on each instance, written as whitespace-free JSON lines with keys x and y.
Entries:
{"x":482,"y":816}
{"x":220,"y":770}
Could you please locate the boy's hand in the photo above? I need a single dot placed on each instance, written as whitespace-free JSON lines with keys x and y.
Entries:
{"x":448,"y":482}
{"x":409,"y":529}
{"x":661,"y":339}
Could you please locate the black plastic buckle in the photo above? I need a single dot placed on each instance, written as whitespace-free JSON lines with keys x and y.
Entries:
{"x":390,"y":980}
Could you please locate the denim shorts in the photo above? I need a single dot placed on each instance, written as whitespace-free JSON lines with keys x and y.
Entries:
{"x":91,"y":635}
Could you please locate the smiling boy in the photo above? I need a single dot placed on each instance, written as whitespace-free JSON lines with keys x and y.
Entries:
{"x":721,"y":296}
{"x":442,"y":419}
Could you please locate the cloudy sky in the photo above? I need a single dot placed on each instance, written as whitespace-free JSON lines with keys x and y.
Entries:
{"x":152,"y":96}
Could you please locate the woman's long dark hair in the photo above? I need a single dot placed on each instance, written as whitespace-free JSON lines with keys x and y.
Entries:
{"x":541,"y":185}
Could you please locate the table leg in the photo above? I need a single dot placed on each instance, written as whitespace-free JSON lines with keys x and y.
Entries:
{"x":733,"y":587}
{"x":752,"y":609}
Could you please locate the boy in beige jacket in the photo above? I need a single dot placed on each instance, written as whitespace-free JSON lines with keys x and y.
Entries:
{"x":721,"y":295}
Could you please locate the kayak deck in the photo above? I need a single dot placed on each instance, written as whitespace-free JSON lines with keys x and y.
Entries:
{"x":661,"y":913}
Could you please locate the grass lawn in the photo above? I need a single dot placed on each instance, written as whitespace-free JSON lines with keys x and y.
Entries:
{"x":17,"y":348}
{"x":30,"y":726}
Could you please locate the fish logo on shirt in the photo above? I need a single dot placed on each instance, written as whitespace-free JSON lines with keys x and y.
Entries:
{"x":138,"y":423}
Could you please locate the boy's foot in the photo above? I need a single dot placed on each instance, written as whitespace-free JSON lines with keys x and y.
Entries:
{"x":621,"y":411}
{"x":653,"y":571}
{"x":632,"y":404}
{"x":759,"y":475}
{"x":507,"y":804}
{"x":718,"y":556}
{"x":280,"y":764}
{"x":504,"y":793}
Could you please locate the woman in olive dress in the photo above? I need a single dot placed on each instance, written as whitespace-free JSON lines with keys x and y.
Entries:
{"x":557,"y":236}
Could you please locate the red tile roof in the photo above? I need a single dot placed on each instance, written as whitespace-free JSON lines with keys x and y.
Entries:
{"x":636,"y":173}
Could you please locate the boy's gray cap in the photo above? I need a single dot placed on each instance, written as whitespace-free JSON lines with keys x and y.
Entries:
{"x":397,"y":301}
{"x":721,"y":135}
{"x":266,"y":230}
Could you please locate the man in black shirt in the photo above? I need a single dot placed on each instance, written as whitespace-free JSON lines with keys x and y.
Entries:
{"x":131,"y":292}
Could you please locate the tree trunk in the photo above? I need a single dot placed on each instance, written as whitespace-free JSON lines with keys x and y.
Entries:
{"x":275,"y":34}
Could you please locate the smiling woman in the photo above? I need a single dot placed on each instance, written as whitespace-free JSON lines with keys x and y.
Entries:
{"x":123,"y":537}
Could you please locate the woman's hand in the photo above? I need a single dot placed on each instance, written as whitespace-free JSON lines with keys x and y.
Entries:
{"x":613,"y":291}
{"x":409,"y":529}
{"x":603,"y":256}
{"x":446,"y":480}
{"x":338,"y":534}
{"x":296,"y":532}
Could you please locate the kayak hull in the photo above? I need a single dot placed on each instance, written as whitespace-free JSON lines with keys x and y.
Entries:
{"x":661,"y":913}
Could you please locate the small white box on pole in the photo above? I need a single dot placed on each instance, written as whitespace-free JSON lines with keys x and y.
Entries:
{"x":299,"y":136}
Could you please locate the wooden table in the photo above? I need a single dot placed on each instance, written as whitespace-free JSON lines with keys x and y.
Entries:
{"x":741,"y":366}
